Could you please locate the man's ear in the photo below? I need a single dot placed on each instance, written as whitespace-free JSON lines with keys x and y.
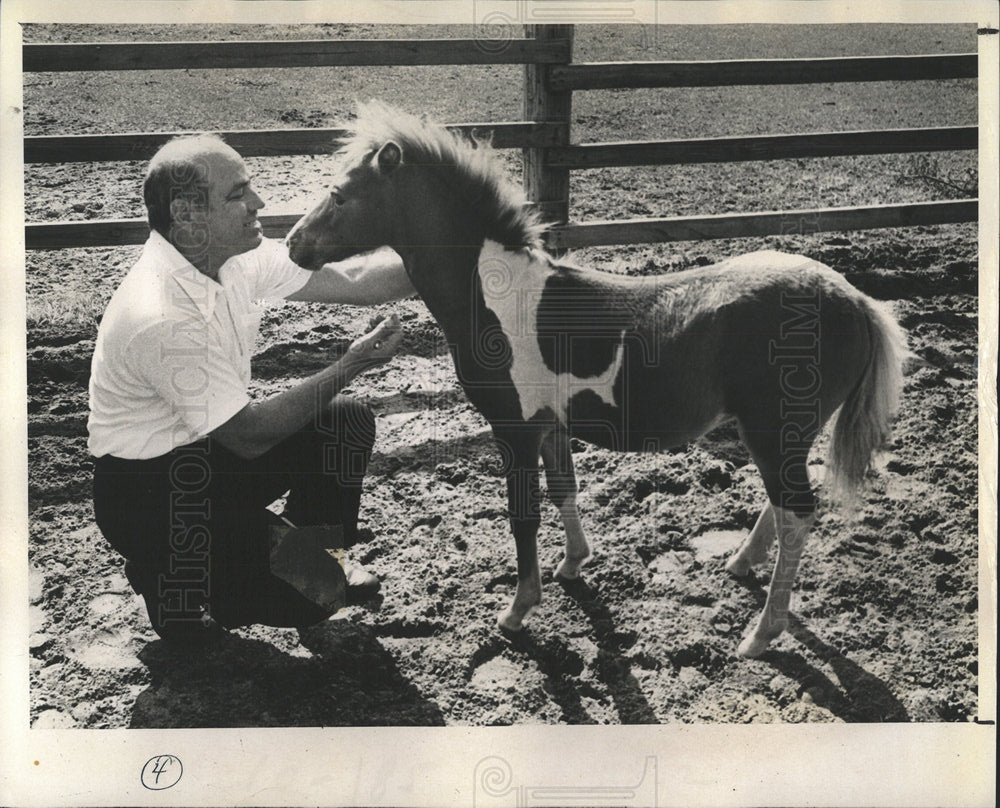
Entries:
{"x":389,"y":157}
{"x":181,"y":210}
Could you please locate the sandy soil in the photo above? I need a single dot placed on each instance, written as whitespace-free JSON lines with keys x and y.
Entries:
{"x":885,"y":607}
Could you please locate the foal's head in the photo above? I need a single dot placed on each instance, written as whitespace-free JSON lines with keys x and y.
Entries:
{"x":395,"y":166}
{"x":354,"y":216}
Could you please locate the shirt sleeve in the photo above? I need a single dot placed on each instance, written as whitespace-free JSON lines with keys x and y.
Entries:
{"x":192,"y":375}
{"x":275,"y":275}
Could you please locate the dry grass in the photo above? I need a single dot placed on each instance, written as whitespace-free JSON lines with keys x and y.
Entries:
{"x":70,"y":309}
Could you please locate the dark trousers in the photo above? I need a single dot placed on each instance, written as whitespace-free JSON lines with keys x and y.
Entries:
{"x":194,"y":528}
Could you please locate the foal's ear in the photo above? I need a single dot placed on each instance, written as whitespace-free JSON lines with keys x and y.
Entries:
{"x":389,"y":157}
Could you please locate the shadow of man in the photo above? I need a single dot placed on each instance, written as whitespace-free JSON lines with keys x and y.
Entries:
{"x":350,"y":681}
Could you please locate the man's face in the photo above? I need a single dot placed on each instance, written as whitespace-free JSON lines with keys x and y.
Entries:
{"x":231,"y":218}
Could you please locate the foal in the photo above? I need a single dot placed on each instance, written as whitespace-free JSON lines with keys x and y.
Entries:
{"x":547,"y":350}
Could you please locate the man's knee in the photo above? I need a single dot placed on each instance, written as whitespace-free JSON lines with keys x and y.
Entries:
{"x":352,"y":420}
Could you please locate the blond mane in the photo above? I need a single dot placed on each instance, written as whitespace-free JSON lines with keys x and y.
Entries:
{"x":475,"y":174}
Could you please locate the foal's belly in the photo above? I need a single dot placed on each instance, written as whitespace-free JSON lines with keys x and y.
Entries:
{"x":644,"y":418}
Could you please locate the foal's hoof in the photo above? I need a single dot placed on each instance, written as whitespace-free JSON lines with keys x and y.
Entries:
{"x":758,"y":640}
{"x":564,"y":573}
{"x":738,"y":566}
{"x":510,"y":623}
{"x":569,"y":569}
{"x":752,"y":647}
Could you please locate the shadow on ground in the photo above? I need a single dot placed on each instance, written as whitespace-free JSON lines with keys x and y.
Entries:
{"x":861,"y":696}
{"x":562,"y":666}
{"x":350,"y":680}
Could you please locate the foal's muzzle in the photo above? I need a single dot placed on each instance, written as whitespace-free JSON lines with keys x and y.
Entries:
{"x":300,"y":250}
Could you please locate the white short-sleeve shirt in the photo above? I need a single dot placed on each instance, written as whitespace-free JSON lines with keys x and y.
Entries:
{"x":172,"y":358}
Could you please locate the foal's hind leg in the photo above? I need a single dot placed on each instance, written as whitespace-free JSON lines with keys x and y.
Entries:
{"x":561,"y":481}
{"x":780,"y":455}
{"x":756,"y":546}
{"x":792,"y":530}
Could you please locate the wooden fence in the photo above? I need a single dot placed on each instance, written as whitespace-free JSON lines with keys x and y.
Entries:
{"x":550,"y":80}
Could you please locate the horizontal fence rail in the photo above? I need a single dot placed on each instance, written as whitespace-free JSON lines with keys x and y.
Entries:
{"x":59,"y":57}
{"x":256,"y":143}
{"x":56,"y":235}
{"x":621,"y":75}
{"x":525,"y":134}
{"x":763,"y":147}
{"x":771,"y":223}
{"x":120,"y":232}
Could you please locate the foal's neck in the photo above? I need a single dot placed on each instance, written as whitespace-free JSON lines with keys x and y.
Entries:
{"x":439,"y":239}
{"x":444,"y":276}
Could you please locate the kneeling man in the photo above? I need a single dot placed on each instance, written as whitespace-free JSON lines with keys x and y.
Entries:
{"x":185,"y":460}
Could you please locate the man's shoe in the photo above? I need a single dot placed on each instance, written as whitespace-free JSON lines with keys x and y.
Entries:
{"x":361,"y":584}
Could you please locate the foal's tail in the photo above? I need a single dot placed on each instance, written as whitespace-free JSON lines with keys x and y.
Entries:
{"x":863,"y":425}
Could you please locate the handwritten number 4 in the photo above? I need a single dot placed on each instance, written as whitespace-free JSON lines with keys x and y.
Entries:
{"x":167,"y":765}
{"x":160,"y":767}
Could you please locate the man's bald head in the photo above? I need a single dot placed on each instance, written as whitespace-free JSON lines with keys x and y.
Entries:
{"x":180,"y":170}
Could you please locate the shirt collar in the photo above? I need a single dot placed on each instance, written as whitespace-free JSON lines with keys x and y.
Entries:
{"x":200,"y":288}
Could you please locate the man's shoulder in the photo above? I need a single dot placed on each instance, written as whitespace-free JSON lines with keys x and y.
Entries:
{"x":141,"y":303}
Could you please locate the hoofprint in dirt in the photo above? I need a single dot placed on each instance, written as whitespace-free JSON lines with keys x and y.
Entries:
{"x":885,"y":605}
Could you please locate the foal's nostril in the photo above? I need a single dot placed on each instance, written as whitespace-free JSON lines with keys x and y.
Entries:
{"x":296,"y":249}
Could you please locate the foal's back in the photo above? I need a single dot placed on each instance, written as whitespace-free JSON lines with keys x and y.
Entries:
{"x":708,"y":342}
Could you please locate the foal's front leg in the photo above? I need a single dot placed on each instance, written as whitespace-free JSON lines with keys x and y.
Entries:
{"x":523,"y":502}
{"x":561,"y":481}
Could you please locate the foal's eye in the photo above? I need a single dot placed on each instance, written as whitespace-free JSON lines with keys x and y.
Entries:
{"x":338,"y":200}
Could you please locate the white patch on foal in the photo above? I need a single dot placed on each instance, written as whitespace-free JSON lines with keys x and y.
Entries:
{"x":512,"y":283}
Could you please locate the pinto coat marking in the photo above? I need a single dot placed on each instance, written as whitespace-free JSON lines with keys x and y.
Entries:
{"x":513,"y":284}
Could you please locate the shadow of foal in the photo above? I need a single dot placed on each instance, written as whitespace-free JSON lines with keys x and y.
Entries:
{"x":861,"y":697}
{"x":613,"y":669}
{"x":249,"y":683}
{"x":562,"y":665}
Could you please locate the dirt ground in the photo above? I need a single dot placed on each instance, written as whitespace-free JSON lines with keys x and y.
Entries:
{"x":885,"y":604}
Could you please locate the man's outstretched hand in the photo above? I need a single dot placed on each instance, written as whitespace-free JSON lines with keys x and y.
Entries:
{"x":380,"y":344}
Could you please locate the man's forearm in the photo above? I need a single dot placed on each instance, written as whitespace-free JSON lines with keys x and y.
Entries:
{"x":364,"y":280}
{"x":261,"y":425}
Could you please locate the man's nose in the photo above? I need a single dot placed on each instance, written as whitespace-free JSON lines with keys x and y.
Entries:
{"x":256,"y":203}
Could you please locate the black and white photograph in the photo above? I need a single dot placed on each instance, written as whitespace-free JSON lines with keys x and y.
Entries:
{"x":501,"y":368}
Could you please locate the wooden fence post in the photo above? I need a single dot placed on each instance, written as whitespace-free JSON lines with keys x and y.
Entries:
{"x":547,"y":187}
